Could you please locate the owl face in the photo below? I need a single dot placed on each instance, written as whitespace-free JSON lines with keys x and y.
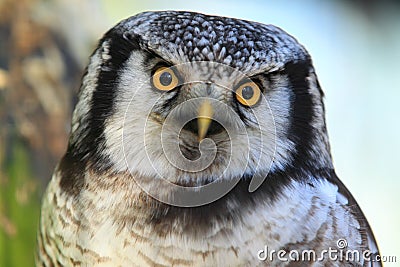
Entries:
{"x":193,"y":116}
{"x":191,"y":99}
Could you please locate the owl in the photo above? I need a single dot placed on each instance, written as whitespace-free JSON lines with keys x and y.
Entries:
{"x":200,"y":140}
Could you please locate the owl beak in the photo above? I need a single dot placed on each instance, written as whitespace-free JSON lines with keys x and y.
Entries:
{"x":204,"y":119}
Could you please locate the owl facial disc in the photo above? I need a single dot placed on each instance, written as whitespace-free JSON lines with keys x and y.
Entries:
{"x":200,"y":129}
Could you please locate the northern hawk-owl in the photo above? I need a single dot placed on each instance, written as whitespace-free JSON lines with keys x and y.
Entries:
{"x":199,"y":140}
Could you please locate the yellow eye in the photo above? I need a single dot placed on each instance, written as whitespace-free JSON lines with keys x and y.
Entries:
{"x":248,"y":94}
{"x":164,"y":79}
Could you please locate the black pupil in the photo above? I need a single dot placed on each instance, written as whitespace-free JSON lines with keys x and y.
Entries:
{"x":247,"y":92}
{"x":165,"y":78}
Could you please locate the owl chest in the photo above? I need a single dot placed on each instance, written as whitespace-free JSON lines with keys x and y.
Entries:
{"x":104,"y":236}
{"x":143,"y":246}
{"x":136,"y":243}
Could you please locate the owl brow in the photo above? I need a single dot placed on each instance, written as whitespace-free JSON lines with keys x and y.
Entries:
{"x":151,"y":56}
{"x":244,"y":80}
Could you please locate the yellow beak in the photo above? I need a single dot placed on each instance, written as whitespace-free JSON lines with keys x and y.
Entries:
{"x":204,"y":119}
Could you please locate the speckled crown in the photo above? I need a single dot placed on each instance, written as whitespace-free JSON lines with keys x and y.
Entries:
{"x":197,"y":37}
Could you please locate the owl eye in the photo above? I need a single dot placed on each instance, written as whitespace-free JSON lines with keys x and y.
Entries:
{"x":164,"y":79}
{"x":248,"y":94}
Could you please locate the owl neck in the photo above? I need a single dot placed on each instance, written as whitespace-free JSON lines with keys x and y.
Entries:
{"x":229,"y":208}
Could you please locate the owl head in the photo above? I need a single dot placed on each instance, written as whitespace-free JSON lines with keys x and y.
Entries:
{"x":193,"y":99}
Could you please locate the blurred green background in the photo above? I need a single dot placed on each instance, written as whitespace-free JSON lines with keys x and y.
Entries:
{"x":45,"y":44}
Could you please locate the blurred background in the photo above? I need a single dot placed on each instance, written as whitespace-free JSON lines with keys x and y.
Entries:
{"x":45,"y":45}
